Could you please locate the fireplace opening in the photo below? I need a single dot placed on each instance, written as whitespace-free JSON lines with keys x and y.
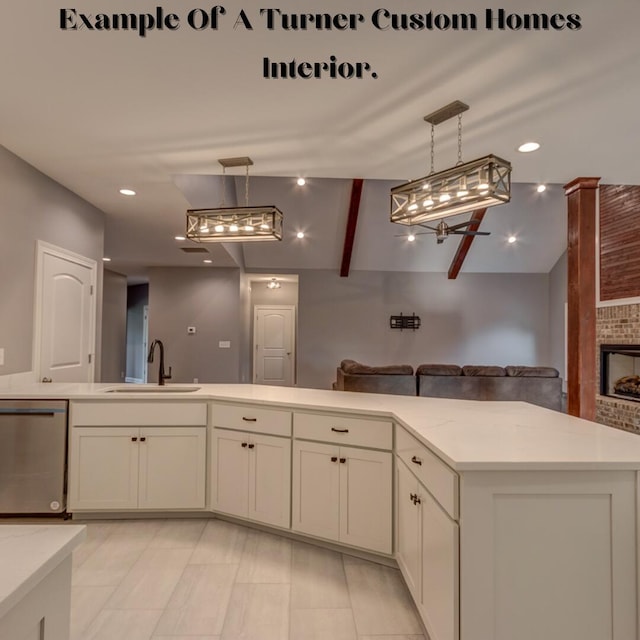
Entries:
{"x":620,"y":371}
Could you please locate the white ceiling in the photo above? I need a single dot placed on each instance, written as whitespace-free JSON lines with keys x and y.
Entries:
{"x":97,"y":111}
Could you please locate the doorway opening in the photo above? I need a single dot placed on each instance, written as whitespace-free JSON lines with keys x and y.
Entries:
{"x":137,"y":332}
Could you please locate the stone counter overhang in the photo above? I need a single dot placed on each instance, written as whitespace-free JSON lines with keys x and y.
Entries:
{"x":468,"y":435}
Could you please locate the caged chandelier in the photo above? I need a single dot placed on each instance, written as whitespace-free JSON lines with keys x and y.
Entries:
{"x":235,"y":224}
{"x":467,"y":186}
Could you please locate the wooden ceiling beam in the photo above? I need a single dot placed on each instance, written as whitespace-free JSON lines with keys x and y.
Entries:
{"x":465,"y":244}
{"x":352,"y":222}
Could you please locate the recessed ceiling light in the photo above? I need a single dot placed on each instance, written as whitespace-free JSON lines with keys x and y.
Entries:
{"x":106,"y":259}
{"x":127,"y":192}
{"x":511,"y":239}
{"x":527,"y":147}
{"x":207,"y":261}
{"x":300,"y":234}
{"x":180,"y":238}
{"x":411,"y":237}
{"x":301,"y":182}
{"x":541,"y":188}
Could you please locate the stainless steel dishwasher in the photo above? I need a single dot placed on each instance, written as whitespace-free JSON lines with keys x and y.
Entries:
{"x":33,"y":456}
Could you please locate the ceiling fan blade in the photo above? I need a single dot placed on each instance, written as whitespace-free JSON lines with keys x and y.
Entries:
{"x":419,"y":233}
{"x":426,"y":226}
{"x":471,"y":233}
{"x":455,"y":227}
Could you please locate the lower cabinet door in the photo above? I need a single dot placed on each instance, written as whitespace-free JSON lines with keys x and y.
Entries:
{"x":316,"y":489}
{"x":408,"y":543}
{"x":103,"y":468}
{"x":172,"y":467}
{"x":270,"y":480}
{"x":365,"y":498}
{"x":440,"y":583}
{"x":230,"y":472}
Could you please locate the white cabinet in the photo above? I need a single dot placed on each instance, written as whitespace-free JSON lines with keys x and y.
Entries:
{"x":113,"y":468}
{"x":428,"y":554}
{"x":343,"y":494}
{"x":251,"y":476}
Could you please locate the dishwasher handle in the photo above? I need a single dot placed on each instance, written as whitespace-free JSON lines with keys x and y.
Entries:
{"x":34,"y":412}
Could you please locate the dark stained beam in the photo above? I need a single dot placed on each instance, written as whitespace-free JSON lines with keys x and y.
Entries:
{"x":352,"y":221}
{"x":465,"y":244}
{"x":581,"y":196}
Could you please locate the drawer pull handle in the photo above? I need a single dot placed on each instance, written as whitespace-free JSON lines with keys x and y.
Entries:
{"x":244,"y":444}
{"x":334,"y":458}
{"x":416,"y":500}
{"x":251,"y":446}
{"x":143,"y":439}
{"x":249,"y":419}
{"x":134,"y":439}
{"x":343,"y":460}
{"x":416,"y":460}
{"x":339,"y":430}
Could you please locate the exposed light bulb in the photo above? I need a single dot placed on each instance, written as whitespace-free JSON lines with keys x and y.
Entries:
{"x":511,"y":239}
{"x":273,"y":284}
{"x":204,"y":227}
{"x":233,"y":228}
{"x":301,"y":182}
{"x":461,"y":193}
{"x":412,"y":207}
{"x":411,"y":237}
{"x":248,"y":227}
{"x":300,"y":234}
{"x":445,"y":197}
{"x":428,"y":203}
{"x":427,"y":186}
{"x":541,"y":188}
{"x":264,"y":225}
{"x":219,"y":228}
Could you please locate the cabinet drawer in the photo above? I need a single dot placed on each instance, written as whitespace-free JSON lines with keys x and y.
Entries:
{"x":252,"y":418}
{"x":435,"y":475}
{"x":363,"y":432}
{"x":157,"y":413}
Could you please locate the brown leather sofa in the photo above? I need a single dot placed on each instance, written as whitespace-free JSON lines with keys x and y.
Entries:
{"x":537,"y":385}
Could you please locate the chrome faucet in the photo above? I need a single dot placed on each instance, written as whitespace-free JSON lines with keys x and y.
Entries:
{"x":162,"y":376}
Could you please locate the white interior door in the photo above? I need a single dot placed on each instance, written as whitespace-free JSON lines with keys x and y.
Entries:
{"x":274,"y":345}
{"x":65,"y":316}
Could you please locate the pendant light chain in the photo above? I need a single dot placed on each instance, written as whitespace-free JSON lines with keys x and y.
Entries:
{"x":246,"y":187}
{"x":459,"y":139}
{"x":433,"y":144}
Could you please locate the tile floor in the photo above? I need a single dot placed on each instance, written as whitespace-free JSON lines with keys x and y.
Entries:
{"x":213,"y":580}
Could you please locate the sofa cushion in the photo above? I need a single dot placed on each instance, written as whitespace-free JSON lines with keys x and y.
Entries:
{"x":482,"y":370}
{"x":532,"y":372}
{"x":439,"y":370}
{"x":356,"y":368}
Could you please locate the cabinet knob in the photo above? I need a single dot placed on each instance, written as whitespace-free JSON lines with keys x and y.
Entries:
{"x":334,"y":458}
{"x":134,"y":439}
{"x":244,"y":444}
{"x":412,"y":496}
{"x":343,"y":460}
{"x":143,"y":439}
{"x":339,"y":430}
{"x":251,"y":446}
{"x":416,"y":460}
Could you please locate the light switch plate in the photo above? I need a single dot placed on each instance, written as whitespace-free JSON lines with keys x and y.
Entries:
{"x":2,"y":357}
{"x":224,"y":344}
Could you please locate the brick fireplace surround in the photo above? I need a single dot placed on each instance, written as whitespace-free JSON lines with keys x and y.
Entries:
{"x":617,"y":325}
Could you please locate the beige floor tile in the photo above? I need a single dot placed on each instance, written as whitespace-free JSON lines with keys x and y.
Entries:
{"x":86,"y":604}
{"x":322,"y":624}
{"x":199,"y":602}
{"x":266,"y":558}
{"x":220,"y":543}
{"x":97,"y":534}
{"x":317,"y":579}
{"x":151,"y":581}
{"x":258,"y":612}
{"x":123,"y":625}
{"x":185,"y":637}
{"x":401,"y":637}
{"x":380,"y":600}
{"x":175,"y":534}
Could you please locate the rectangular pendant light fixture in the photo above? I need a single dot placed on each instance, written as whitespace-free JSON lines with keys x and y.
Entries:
{"x":235,"y":224}
{"x":467,"y":186}
{"x":484,"y":182}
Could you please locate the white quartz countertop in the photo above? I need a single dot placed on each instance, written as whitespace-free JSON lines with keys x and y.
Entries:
{"x":28,"y":553}
{"x":466,"y":434}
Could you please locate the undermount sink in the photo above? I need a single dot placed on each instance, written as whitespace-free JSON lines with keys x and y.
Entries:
{"x":152,"y":389}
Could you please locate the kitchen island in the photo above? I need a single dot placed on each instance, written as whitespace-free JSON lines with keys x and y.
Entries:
{"x":35,"y":580}
{"x":507,"y":520}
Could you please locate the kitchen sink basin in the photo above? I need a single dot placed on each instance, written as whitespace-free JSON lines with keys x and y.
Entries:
{"x":150,"y":389}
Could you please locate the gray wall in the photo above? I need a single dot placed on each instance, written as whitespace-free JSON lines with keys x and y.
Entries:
{"x":34,"y":207}
{"x":557,"y":298}
{"x":137,"y":299}
{"x":114,"y":327}
{"x":208,"y":299}
{"x":477,"y":319}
